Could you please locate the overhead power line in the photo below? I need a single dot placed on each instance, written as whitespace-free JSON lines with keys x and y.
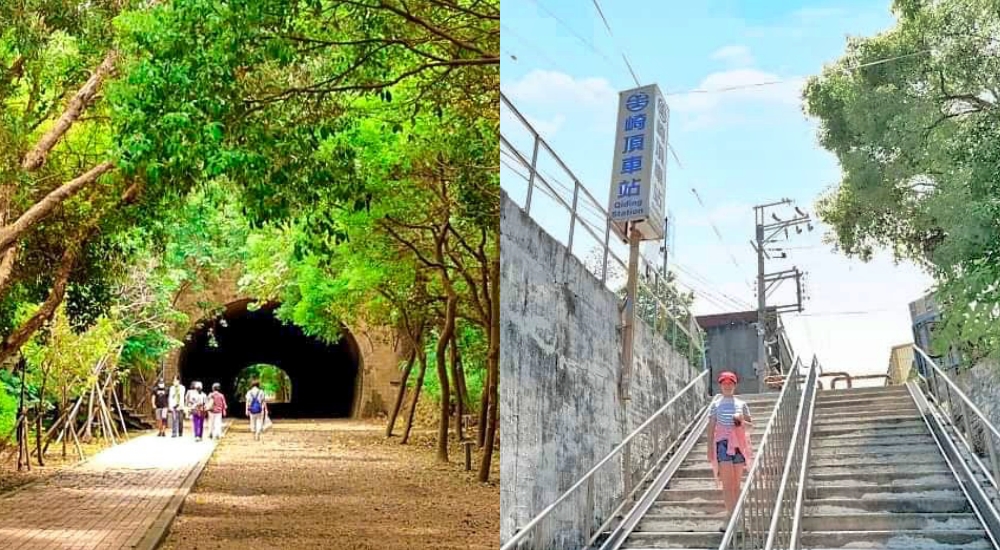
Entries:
{"x":735,"y":87}
{"x":607,"y":26}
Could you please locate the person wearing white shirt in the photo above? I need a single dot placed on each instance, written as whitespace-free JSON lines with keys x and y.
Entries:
{"x":176,"y":405}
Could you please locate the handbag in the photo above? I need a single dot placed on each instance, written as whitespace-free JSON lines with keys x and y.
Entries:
{"x":267,"y":422}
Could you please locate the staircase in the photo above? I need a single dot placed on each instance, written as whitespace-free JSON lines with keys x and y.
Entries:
{"x":134,"y":420}
{"x":690,"y":511}
{"x":878,"y":480}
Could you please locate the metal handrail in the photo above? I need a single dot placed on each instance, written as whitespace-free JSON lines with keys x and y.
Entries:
{"x":780,"y":532}
{"x":588,"y":478}
{"x":583,"y":203}
{"x":803,"y":463}
{"x":989,"y":432}
{"x":933,"y":417}
{"x":749,"y":526}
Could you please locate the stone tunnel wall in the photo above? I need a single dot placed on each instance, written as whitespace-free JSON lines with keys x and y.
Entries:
{"x":559,"y":369}
{"x":380,"y":349}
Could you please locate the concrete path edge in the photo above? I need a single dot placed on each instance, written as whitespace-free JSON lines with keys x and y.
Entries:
{"x":158,"y":531}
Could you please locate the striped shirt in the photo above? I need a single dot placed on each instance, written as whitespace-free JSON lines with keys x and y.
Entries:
{"x":722,"y":410}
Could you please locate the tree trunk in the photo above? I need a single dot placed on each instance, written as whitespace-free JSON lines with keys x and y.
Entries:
{"x":442,"y":372}
{"x":41,"y":209}
{"x":401,"y":394}
{"x":36,"y":157}
{"x":22,"y":422}
{"x":484,"y":403}
{"x":456,"y":376}
{"x":38,"y":417}
{"x":416,"y":395}
{"x":494,"y":372}
{"x":12,"y":344}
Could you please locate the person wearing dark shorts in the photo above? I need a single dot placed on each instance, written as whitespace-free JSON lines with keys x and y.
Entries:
{"x":728,"y":418}
{"x":160,"y":401}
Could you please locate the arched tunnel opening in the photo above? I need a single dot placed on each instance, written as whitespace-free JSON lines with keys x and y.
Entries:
{"x":324,"y":377}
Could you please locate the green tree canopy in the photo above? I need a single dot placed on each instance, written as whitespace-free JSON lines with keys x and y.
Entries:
{"x":912,"y":116}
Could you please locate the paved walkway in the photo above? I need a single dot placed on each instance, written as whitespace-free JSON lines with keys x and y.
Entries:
{"x":124,"y":497}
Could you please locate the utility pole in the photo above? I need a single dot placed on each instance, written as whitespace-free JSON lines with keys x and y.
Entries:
{"x":765,"y":234}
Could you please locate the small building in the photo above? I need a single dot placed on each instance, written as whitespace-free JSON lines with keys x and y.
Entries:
{"x":900,"y":363}
{"x":731,"y":345}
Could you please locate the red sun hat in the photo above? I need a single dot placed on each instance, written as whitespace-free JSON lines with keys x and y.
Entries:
{"x":727,"y":377}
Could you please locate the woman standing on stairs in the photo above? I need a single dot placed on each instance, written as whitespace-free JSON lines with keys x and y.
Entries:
{"x":728,"y":440}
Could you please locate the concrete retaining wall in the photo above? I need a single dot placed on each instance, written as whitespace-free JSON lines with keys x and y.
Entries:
{"x":559,"y":371}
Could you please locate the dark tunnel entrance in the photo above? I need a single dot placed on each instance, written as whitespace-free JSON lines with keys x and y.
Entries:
{"x":324,"y":376}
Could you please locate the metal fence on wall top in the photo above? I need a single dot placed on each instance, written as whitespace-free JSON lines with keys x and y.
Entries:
{"x":544,"y":186}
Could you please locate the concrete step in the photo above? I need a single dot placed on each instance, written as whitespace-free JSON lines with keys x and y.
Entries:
{"x":826,"y":401}
{"x":673,"y":539}
{"x":874,"y":461}
{"x":866,"y":410}
{"x":966,"y":539}
{"x":699,"y":507}
{"x":706,"y":483}
{"x":911,"y":489}
{"x":841,"y":392}
{"x":894,"y":404}
{"x":904,"y":451}
{"x":871,"y":441}
{"x":906,"y":474}
{"x":694,"y":469}
{"x":889,"y":522}
{"x":690,"y":495}
{"x":825,"y":431}
{"x":867,"y":422}
{"x":681,"y":522}
{"x":938,"y":501}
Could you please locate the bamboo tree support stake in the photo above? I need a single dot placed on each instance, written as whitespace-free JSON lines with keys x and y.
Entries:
{"x":121,"y":414}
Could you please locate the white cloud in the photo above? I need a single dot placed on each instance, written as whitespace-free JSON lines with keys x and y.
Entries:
{"x":739,"y":85}
{"x":707,"y":105}
{"x":547,"y":127}
{"x":734,"y":54}
{"x":554,"y":87}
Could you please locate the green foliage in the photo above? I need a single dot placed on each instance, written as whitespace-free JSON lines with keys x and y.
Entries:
{"x":472,"y":346}
{"x":917,"y":142}
{"x":8,"y":411}
{"x":274,"y":381}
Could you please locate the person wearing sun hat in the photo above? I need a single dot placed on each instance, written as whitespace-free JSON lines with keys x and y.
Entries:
{"x":729,"y":450}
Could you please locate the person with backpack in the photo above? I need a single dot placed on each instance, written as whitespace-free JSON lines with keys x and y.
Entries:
{"x":196,"y":403}
{"x":256,"y":404}
{"x":216,"y":411}
{"x":160,"y":401}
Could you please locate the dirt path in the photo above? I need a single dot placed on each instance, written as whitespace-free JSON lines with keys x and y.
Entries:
{"x":335,"y":484}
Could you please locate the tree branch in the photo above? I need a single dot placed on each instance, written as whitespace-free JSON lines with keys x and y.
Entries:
{"x":42,"y":208}
{"x":13,"y":342}
{"x":455,"y":6}
{"x":321,"y":88}
{"x":383,"y":4}
{"x":423,"y":259}
{"x":7,"y":267}
{"x":36,"y":157}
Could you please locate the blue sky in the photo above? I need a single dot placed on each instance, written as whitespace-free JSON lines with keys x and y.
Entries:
{"x":736,"y":148}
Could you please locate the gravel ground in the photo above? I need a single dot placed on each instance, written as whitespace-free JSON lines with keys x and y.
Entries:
{"x":336,"y":484}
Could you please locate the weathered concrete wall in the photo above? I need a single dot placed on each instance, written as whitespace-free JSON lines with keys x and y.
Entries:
{"x":559,"y":371}
{"x":982,"y":384}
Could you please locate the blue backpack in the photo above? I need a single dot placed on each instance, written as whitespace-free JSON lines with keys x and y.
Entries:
{"x":255,"y":407}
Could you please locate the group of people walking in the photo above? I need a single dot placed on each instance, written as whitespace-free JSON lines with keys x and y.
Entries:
{"x":172,"y":405}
